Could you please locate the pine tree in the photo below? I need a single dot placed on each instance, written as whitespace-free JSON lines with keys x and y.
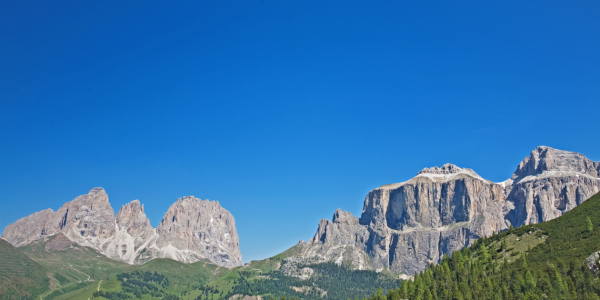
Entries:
{"x":404,"y":290}
{"x":589,"y":224}
{"x":427,"y":294}
{"x":457,"y":295}
{"x":529,"y":280}
{"x":482,"y":252}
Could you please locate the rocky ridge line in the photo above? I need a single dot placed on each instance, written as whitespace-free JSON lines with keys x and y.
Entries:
{"x":406,"y":226}
{"x":191,"y":230}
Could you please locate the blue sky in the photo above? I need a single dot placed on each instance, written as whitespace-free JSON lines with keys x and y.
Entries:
{"x":283,"y":111}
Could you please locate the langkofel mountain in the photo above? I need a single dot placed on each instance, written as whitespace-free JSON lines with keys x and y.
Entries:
{"x":406,"y":226}
{"x":190,"y":231}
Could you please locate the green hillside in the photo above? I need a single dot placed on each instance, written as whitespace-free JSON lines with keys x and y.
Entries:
{"x":541,"y":261}
{"x":20,"y":277}
{"x":76,"y":272}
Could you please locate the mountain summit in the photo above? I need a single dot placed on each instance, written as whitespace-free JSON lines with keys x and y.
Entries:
{"x":406,"y":226}
{"x":191,"y":230}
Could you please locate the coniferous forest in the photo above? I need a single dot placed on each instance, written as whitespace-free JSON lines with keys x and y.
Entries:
{"x":329,"y":281}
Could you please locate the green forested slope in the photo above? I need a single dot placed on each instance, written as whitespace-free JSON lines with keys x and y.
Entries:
{"x":329,"y":281}
{"x":20,"y":277}
{"x":541,"y":261}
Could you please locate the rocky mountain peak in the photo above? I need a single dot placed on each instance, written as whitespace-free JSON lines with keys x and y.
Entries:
{"x":446,"y":169}
{"x":543,"y":159}
{"x":97,"y":191}
{"x":191,"y":230}
{"x":201,"y":227}
{"x":132,"y":216}
{"x":405,"y":226}
{"x":344,"y":217}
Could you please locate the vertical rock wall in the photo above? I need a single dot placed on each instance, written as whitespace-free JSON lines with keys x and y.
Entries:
{"x":191,"y":230}
{"x":406,"y":226}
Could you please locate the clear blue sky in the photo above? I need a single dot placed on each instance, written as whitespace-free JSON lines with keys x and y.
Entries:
{"x":283,"y":110}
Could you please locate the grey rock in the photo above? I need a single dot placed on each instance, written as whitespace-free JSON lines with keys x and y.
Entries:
{"x":592,"y":262}
{"x":27,"y":229}
{"x":134,"y":234}
{"x":344,"y":217}
{"x":446,"y":170}
{"x":87,"y":220}
{"x":133,"y":218}
{"x":190,"y":231}
{"x":202,"y":227}
{"x":549,"y":183}
{"x":406,"y":226}
{"x":543,"y":159}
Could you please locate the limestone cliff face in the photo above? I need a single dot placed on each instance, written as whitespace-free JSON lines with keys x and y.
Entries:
{"x":549,"y":183}
{"x":405,"y":226}
{"x":191,"y":230}
{"x":199,"y":229}
{"x":134,"y":233}
{"x":27,"y":229}
{"x":88,"y":220}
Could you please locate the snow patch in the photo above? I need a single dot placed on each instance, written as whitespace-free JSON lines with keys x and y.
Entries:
{"x":449,"y":177}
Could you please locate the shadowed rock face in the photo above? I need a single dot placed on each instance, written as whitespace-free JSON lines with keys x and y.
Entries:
{"x":191,"y":230}
{"x":406,"y":226}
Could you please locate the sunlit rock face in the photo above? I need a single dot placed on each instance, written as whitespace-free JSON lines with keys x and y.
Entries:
{"x":191,"y":230}
{"x":199,"y":229}
{"x":134,"y":234}
{"x":406,"y":226}
{"x":549,"y":183}
{"x":88,"y":220}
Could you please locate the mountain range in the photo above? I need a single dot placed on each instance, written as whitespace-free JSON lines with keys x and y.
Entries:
{"x":403,"y":228}
{"x":191,"y":230}
{"x":406,"y":226}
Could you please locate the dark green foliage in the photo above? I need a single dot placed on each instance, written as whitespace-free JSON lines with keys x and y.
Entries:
{"x":551,"y":270}
{"x":139,"y":283}
{"x":340,"y":282}
{"x":123,"y":296}
{"x":112,"y":295}
{"x":61,"y":279}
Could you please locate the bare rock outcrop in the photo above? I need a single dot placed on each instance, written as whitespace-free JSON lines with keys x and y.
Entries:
{"x":406,"y":226}
{"x":199,"y":229}
{"x":27,"y":229}
{"x":593,"y":261}
{"x":549,"y":183}
{"x":190,"y":231}
{"x":134,"y":233}
{"x":88,"y":220}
